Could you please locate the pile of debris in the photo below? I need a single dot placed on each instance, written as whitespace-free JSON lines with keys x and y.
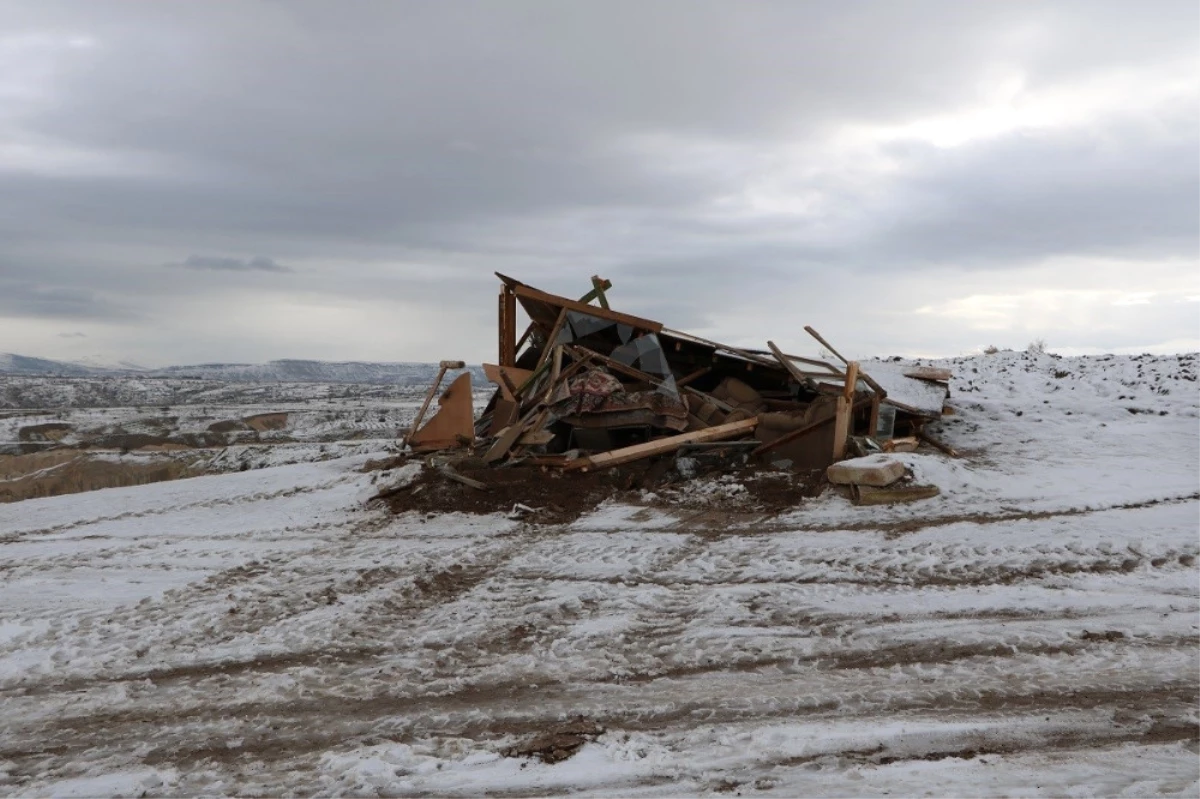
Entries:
{"x":586,"y":388}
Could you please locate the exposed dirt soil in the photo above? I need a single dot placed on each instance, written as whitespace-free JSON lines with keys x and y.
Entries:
{"x":65,"y":471}
{"x":558,"y":743}
{"x":549,"y":496}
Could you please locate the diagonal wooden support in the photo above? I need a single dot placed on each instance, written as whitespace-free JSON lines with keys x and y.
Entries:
{"x":437,"y":382}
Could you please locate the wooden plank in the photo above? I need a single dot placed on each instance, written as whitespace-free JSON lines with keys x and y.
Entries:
{"x":841,"y":428}
{"x":555,"y":372}
{"x":504,"y":414}
{"x":687,"y":338}
{"x":504,"y":442}
{"x":437,"y":382}
{"x":525,"y":336}
{"x":549,"y":345}
{"x":508,"y":327}
{"x":598,"y":288}
{"x":454,"y":422}
{"x":851,"y":380}
{"x":535,"y":438}
{"x":830,"y":369}
{"x":866,"y":377}
{"x":637,"y":322}
{"x":938,"y":445}
{"x":870,"y":495}
{"x":506,"y":377}
{"x":701,"y":372}
{"x":845,"y":409}
{"x":449,"y":472}
{"x":796,"y":374}
{"x":616,"y":457}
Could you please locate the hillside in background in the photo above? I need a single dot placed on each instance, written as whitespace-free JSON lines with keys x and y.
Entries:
{"x":283,"y":371}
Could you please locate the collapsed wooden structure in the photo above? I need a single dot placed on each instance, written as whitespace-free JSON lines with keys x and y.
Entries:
{"x":587,"y":387}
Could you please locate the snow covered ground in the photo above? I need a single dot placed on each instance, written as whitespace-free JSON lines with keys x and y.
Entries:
{"x":1033,"y":630}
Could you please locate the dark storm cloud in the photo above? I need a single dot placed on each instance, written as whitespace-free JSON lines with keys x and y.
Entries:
{"x":407,"y":149}
{"x":218,"y":263}
{"x":22,"y":299}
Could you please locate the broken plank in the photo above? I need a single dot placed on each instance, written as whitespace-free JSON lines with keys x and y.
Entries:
{"x":865,"y":377}
{"x":938,"y":445}
{"x":458,"y":478}
{"x":796,"y":374}
{"x":637,"y":322}
{"x":701,"y":372}
{"x":616,"y":457}
{"x":504,"y":442}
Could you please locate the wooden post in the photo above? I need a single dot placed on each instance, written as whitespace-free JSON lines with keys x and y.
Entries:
{"x":508,"y":327}
{"x":845,"y":407}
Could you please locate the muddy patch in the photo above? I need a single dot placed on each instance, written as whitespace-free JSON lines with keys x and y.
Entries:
{"x":65,"y":471}
{"x":557,"y":744}
{"x":549,"y":496}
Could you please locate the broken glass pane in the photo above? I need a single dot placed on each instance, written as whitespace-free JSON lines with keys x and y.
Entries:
{"x":646,"y":353}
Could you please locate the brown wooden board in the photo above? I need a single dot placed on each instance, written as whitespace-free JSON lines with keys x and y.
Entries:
{"x":531,"y":298}
{"x":616,"y":457}
{"x":453,"y":422}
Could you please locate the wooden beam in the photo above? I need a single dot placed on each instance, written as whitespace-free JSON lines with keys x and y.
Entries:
{"x":437,"y":382}
{"x":845,"y":409}
{"x":851,"y":381}
{"x":508,"y":327}
{"x":598,"y":288}
{"x":796,"y":374}
{"x":866,"y":377}
{"x":616,"y":457}
{"x":548,"y":345}
{"x":592,"y":310}
{"x":938,"y":445}
{"x":701,"y":372}
{"x":525,"y":336}
{"x":832,"y":370}
{"x":878,"y":389}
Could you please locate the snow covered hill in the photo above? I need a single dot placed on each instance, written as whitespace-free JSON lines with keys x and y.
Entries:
{"x":1034,"y":630}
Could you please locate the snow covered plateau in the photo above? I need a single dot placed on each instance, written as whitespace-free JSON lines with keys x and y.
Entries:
{"x":1034,"y":630}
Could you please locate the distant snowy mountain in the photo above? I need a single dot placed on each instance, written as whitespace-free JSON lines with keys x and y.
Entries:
{"x":26,"y":366}
{"x":295,"y":371}
{"x":284,"y":371}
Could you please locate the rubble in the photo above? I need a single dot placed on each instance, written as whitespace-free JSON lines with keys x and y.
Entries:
{"x":587,"y":388}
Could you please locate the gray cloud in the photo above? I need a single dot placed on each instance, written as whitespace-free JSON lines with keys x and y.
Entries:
{"x":701,"y":154}
{"x":257,"y":263}
{"x":31,"y":300}
{"x":76,"y":334}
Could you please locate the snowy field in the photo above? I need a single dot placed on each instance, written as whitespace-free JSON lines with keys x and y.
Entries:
{"x":1034,"y":630}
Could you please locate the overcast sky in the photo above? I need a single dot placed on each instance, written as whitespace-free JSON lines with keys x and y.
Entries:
{"x":243,"y":181}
